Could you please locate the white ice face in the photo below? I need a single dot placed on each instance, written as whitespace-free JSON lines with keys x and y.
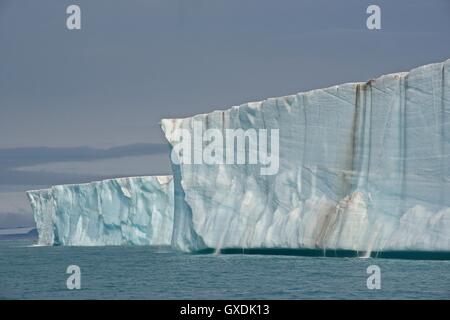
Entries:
{"x":363,"y":166}
{"x":135,"y":211}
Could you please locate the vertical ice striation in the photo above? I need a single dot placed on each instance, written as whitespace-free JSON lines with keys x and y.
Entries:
{"x":136,"y":211}
{"x":44,"y":214}
{"x":363,"y":166}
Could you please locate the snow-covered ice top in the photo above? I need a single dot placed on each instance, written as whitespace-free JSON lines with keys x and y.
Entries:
{"x":363,"y":166}
{"x":137,"y":211}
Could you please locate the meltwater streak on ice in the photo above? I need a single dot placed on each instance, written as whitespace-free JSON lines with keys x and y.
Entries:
{"x":137,"y":211}
{"x":363,"y":167}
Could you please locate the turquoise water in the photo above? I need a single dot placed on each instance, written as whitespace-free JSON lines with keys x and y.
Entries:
{"x":28,"y":272}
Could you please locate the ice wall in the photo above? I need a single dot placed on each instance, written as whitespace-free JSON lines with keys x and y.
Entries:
{"x":363,"y":166}
{"x":44,"y":214}
{"x":137,"y":211}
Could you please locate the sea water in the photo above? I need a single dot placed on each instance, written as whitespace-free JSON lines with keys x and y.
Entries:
{"x":142,"y":272}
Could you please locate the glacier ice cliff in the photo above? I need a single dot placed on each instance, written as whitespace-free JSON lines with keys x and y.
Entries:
{"x":137,"y":210}
{"x":362,"y":166}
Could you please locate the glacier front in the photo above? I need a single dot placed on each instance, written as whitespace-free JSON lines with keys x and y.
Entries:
{"x":136,"y":211}
{"x":362,"y":167}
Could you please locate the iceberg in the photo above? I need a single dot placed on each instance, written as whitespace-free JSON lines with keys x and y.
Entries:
{"x":122,"y":211}
{"x":362,"y":167}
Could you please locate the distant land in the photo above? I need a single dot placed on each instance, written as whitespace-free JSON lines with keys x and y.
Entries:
{"x":18,"y":233}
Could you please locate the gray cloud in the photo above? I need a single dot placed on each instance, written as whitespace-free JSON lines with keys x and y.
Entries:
{"x":13,"y":158}
{"x":31,"y":178}
{"x":18,"y":157}
{"x":15,"y":220}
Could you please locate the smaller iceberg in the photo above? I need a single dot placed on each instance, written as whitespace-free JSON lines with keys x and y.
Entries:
{"x":135,"y":211}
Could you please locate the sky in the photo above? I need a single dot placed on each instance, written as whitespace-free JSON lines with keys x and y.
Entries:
{"x":83,"y":105}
